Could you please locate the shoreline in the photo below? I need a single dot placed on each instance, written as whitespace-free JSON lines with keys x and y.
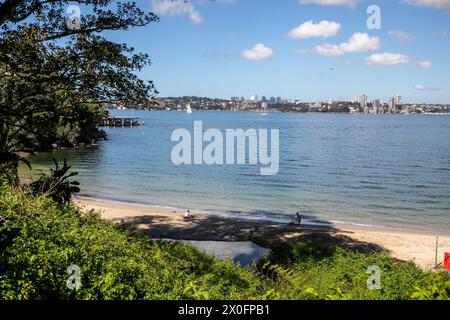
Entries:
{"x":168,"y":223}
{"x":279,"y":218}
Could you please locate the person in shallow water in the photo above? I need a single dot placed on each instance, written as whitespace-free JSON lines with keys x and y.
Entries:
{"x":297,"y":219}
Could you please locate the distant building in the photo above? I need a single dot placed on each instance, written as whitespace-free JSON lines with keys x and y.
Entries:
{"x":355,"y":99}
{"x":279,"y":100}
{"x":363,"y":103}
{"x":264,"y":99}
{"x":272,"y":100}
{"x":264,"y":105}
{"x":377,"y":106}
{"x":394,"y":104}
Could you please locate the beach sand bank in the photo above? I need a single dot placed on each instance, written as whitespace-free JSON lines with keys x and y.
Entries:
{"x":163,"y":223}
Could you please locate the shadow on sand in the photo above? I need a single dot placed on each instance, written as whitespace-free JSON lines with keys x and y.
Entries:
{"x":263,"y":233}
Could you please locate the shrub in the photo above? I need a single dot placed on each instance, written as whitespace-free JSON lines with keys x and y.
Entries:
{"x":57,"y":185}
{"x":305,"y":271}
{"x":40,"y":240}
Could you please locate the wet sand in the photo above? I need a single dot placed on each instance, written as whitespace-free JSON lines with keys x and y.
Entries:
{"x":163,"y":223}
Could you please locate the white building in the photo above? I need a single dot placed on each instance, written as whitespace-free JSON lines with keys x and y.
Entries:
{"x":363,"y":103}
{"x":395,"y":103}
{"x":377,"y":107}
{"x":254,"y":98}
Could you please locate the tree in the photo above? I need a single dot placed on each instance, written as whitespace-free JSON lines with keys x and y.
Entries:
{"x":54,"y":76}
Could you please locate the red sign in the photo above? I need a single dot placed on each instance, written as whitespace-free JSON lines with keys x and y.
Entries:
{"x":447,"y":261}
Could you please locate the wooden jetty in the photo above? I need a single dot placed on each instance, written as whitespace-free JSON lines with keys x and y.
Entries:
{"x":121,"y":122}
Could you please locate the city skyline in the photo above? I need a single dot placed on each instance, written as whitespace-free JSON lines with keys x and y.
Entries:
{"x":297,"y":49}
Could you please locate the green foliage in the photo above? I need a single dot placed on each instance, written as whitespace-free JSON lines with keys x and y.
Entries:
{"x":57,"y":185}
{"x":54,"y":91}
{"x":68,"y":133}
{"x":40,"y":239}
{"x":435,"y":287}
{"x":305,"y":271}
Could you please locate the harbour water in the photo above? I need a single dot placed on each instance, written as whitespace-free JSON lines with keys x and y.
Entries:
{"x":386,"y":170}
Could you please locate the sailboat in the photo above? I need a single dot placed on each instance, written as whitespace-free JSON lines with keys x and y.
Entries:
{"x":188,"y":108}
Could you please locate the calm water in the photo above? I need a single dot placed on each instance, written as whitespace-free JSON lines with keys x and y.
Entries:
{"x":375,"y":170}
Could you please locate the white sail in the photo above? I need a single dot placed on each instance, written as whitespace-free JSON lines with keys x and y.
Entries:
{"x":188,"y":108}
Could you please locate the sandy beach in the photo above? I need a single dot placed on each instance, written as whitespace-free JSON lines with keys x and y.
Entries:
{"x":162,"y":223}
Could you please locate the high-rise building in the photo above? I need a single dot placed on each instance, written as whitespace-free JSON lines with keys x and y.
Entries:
{"x":272,"y":100}
{"x":279,"y":100}
{"x":395,"y":103}
{"x":377,"y":106}
{"x":264,"y":99}
{"x":363,"y":103}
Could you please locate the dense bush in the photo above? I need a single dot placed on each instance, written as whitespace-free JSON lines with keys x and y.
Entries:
{"x":305,"y":271}
{"x":40,"y":239}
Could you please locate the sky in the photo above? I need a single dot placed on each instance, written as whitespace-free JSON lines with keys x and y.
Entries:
{"x":309,"y":50}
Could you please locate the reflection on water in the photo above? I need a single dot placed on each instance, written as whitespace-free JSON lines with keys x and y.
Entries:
{"x":380,"y":170}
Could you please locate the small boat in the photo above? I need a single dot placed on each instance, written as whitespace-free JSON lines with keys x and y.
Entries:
{"x":264,"y":114}
{"x":188,"y":109}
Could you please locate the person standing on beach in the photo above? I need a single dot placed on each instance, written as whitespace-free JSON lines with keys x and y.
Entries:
{"x":297,"y":219}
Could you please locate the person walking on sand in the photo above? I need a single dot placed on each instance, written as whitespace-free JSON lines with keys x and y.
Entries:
{"x":187,"y":214}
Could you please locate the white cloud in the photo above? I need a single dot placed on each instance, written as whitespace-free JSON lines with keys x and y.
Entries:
{"x":258,"y":52}
{"x":358,"y":42}
{"x":424,"y":64}
{"x":439,"y":4}
{"x":419,"y":87}
{"x":401,"y":35}
{"x":310,"y":29}
{"x":328,"y":50}
{"x":349,"y":3}
{"x":388,"y":58}
{"x":176,"y":8}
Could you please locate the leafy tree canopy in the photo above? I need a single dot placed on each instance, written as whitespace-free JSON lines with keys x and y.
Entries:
{"x":57,"y":71}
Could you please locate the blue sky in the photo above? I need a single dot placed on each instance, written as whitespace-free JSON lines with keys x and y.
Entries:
{"x":227,"y":48}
